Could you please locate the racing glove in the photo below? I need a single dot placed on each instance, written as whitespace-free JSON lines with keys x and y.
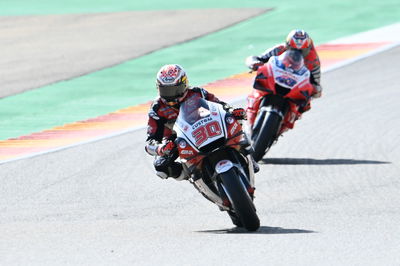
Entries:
{"x":317,"y":91}
{"x":239,"y":113}
{"x":253,"y":62}
{"x":166,"y":149}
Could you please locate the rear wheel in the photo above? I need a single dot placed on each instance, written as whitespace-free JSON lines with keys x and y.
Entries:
{"x":266,"y":135}
{"x":239,"y":197}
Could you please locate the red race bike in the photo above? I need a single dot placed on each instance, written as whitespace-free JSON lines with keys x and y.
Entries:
{"x":210,"y":144}
{"x":282,"y":91}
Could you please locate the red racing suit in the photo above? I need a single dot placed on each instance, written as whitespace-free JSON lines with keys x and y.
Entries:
{"x":162,"y":118}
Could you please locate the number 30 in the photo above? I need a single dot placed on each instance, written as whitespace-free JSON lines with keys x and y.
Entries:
{"x":209,"y":130}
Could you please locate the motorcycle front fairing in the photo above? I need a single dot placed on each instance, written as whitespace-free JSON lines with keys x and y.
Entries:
{"x":207,"y":132}
{"x":200,"y":122}
{"x":299,"y":87}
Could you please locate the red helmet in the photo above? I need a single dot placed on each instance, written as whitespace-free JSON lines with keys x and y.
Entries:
{"x":298,"y":39}
{"x":172,"y":83}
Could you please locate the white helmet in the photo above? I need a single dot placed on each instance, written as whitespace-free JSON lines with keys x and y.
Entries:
{"x":172,"y":83}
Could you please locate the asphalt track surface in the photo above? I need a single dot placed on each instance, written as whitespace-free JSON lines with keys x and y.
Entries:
{"x":327,"y":194}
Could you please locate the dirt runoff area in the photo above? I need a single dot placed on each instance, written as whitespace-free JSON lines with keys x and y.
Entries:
{"x":40,"y":50}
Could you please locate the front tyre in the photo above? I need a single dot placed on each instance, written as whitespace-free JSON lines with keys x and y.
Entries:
{"x":266,"y":135}
{"x":239,"y":197}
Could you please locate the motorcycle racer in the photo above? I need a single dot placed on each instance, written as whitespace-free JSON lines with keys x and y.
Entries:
{"x":173,"y":89}
{"x":298,"y":40}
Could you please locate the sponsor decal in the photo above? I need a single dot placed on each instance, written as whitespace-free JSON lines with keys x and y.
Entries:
{"x":233,"y":129}
{"x":214,"y":110}
{"x":186,"y":152}
{"x":201,"y":122}
{"x":230,"y":120}
{"x":182,"y":144}
{"x":223,"y":166}
{"x":284,"y":80}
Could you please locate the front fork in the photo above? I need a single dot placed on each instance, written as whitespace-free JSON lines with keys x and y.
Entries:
{"x":248,"y":183}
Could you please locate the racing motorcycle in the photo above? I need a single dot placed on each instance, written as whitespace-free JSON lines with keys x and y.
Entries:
{"x":210,"y":142}
{"x":282,"y":91}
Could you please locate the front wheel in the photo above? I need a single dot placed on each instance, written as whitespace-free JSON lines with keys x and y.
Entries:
{"x":266,"y":135}
{"x":239,"y":197}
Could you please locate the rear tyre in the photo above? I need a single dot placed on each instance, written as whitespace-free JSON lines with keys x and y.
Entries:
{"x":266,"y":135}
{"x":242,"y":204}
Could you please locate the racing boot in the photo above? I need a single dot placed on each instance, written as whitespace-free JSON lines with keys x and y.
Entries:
{"x":176,"y":171}
{"x":165,"y":169}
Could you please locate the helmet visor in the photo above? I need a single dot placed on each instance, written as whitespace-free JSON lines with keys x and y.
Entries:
{"x":171,"y":93}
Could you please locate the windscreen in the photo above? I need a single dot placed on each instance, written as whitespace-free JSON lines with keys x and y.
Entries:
{"x":291,"y":60}
{"x":194,"y":109}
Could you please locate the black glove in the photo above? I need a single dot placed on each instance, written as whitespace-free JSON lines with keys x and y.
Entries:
{"x":239,"y":113}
